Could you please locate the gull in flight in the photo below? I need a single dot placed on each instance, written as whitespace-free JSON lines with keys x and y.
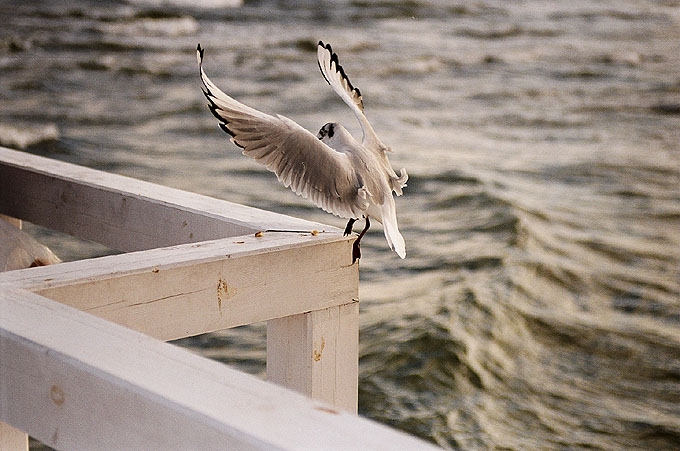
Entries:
{"x":339,"y":174}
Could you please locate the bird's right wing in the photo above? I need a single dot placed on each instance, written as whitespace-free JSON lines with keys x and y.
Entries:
{"x":335,"y":75}
{"x":300,"y":161}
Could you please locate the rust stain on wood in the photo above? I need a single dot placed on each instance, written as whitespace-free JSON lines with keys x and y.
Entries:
{"x":316,"y":355}
{"x":224,"y":292}
{"x":327,"y":410}
{"x":57,"y":395}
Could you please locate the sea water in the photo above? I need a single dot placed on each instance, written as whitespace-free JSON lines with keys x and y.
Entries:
{"x":539,"y":305}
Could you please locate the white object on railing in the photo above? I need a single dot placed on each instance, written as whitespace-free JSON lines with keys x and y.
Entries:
{"x":19,"y":250}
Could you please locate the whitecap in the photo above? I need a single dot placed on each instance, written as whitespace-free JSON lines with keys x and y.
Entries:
{"x":21,"y":138}
{"x":206,"y":4}
{"x":173,"y":26}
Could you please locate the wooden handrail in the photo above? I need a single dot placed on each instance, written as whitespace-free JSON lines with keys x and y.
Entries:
{"x":73,"y":377}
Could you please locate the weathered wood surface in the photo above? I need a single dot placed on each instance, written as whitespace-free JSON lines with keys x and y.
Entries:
{"x":12,"y":439}
{"x":120,"y":212}
{"x":190,"y":289}
{"x":78,"y":382}
{"x":316,"y":353}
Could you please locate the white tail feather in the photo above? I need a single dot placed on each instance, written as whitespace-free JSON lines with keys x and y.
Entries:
{"x":390,"y":227}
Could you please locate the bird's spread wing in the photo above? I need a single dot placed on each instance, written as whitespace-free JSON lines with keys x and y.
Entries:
{"x":335,"y":75}
{"x":300,"y":161}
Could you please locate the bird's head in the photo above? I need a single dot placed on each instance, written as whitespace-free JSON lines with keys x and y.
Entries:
{"x":327,"y":131}
{"x":333,"y":132}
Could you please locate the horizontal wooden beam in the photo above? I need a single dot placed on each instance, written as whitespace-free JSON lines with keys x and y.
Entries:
{"x":75,"y":381}
{"x":191,"y":289}
{"x":121,"y":212}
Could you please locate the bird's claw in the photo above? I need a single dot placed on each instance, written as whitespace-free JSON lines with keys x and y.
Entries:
{"x":348,"y":227}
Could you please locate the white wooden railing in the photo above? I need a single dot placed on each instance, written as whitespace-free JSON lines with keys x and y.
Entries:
{"x":82,"y":361}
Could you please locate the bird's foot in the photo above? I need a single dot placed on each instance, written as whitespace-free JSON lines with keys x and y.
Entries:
{"x":356,"y":251}
{"x":348,"y":227}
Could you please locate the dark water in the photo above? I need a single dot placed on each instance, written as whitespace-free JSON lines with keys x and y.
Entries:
{"x":539,"y":306}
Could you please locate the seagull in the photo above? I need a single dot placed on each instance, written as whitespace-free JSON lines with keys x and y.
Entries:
{"x":339,"y":174}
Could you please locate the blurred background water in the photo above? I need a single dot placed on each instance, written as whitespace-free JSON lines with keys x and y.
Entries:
{"x":539,"y":306}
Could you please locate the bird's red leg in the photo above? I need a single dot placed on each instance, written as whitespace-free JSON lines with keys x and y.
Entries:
{"x":356,"y":249}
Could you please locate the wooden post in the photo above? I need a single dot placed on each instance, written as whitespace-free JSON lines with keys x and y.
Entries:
{"x":12,"y":439}
{"x":316,"y":353}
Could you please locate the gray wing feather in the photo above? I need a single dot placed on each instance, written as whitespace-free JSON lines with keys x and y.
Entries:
{"x":300,"y":161}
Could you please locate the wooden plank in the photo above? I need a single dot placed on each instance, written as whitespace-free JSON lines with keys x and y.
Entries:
{"x":346,"y":371}
{"x":288,"y":356}
{"x":191,"y":289}
{"x":74,"y":381}
{"x":120,"y":212}
{"x":316,"y":353}
{"x":12,"y":439}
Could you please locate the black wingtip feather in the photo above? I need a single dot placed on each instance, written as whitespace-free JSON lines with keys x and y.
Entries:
{"x":208,"y":95}
{"x":213,"y":109}
{"x":339,"y":68}
{"x":326,"y":46}
{"x":225,"y":127}
{"x":212,"y":106}
{"x":322,"y":74}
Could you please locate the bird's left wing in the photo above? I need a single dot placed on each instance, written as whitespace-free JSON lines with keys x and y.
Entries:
{"x":335,"y":75}
{"x":300,"y":161}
